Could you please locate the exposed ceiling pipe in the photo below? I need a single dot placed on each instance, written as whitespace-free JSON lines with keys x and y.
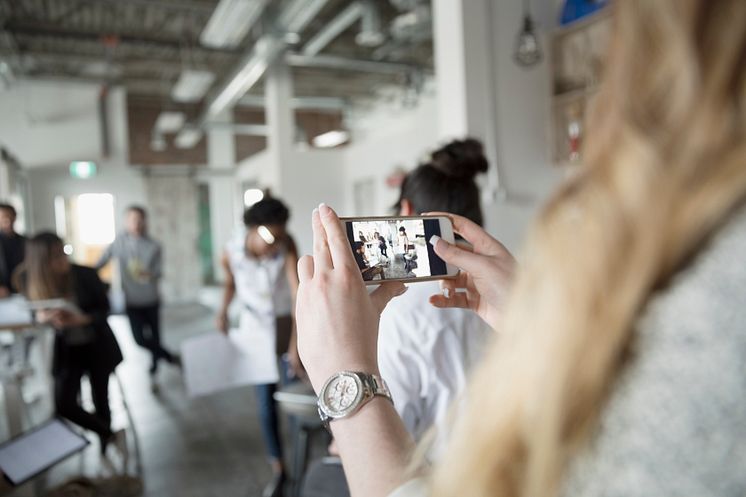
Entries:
{"x":298,"y":14}
{"x":336,"y":26}
{"x":251,"y":68}
{"x":240,"y":129}
{"x":304,"y":103}
{"x":344,"y":63}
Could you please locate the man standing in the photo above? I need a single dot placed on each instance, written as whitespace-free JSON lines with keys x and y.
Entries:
{"x":12,"y":247}
{"x":139,"y":259}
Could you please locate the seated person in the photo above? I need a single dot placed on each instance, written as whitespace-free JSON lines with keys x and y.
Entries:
{"x":358,"y":249}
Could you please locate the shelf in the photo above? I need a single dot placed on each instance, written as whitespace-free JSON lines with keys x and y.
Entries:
{"x":582,"y":23}
{"x":569,"y":96}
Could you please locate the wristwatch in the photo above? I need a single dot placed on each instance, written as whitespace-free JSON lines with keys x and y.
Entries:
{"x":346,"y":392}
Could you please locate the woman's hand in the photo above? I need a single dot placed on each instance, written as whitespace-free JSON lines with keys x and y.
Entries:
{"x":221,"y":322}
{"x":337,"y":318}
{"x":62,"y":318}
{"x":486,"y":272}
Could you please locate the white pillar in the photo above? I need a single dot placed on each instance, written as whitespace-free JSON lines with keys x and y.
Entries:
{"x":278,"y":91}
{"x":221,"y":157}
{"x":464,"y":71}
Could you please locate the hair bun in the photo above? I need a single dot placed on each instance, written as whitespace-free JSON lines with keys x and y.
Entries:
{"x":460,"y":159}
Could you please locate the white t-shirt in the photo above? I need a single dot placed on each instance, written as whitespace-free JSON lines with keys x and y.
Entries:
{"x":425,"y":354}
{"x":261,"y":284}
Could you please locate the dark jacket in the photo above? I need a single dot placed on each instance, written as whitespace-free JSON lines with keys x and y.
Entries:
{"x":102,"y":352}
{"x":11,"y":256}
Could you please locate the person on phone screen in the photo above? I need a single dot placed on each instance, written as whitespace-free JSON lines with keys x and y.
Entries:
{"x":261,"y":271}
{"x":425,"y":353}
{"x":139,"y":258}
{"x":11,"y":249}
{"x":84,"y":344}
{"x":381,"y":243}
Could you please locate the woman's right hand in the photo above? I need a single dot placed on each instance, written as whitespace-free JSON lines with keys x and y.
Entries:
{"x":486,"y":272}
{"x":221,"y":322}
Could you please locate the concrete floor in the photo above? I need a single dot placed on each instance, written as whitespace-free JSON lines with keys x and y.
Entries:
{"x":190,"y":447}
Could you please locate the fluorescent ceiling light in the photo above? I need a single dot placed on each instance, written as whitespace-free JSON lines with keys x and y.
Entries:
{"x":331,"y":139}
{"x":188,"y":138}
{"x":170,"y":122}
{"x":192,"y":85}
{"x":230,"y":22}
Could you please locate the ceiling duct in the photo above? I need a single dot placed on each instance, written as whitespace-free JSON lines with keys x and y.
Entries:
{"x":414,"y":25}
{"x":336,"y":27}
{"x":230,"y":22}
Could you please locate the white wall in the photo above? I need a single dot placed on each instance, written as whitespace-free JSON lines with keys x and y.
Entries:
{"x":384,"y":140}
{"x":522,"y":101}
{"x":520,"y":111}
{"x":48,"y":123}
{"x":49,"y":177}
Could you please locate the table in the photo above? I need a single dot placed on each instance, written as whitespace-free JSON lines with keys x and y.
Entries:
{"x":16,"y":319}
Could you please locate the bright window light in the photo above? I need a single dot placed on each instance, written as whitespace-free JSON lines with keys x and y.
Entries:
{"x":95,"y":218}
{"x":331,"y":139}
{"x":252,"y":196}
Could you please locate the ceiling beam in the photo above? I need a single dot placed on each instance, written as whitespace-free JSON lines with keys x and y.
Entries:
{"x":36,"y":29}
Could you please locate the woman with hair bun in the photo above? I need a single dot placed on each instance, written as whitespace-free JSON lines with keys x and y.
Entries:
{"x":424,"y":352}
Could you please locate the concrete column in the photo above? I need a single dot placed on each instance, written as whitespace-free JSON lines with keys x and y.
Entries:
{"x":464,"y":71}
{"x":221,"y":157}
{"x":278,"y":93}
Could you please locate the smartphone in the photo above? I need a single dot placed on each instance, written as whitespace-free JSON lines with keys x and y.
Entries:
{"x":398,"y":248}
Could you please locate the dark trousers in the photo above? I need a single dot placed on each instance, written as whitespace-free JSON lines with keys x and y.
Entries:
{"x":66,"y":399}
{"x":268,"y":419}
{"x":146,"y":330}
{"x":268,"y":414}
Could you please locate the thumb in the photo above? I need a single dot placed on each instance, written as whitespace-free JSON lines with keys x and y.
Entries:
{"x":384,"y":293}
{"x":455,"y":255}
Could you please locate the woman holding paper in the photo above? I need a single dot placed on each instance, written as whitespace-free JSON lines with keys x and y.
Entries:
{"x":261,"y":270}
{"x":77,"y":307}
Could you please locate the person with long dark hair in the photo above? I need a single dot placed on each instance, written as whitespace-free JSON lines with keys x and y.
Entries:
{"x":84,"y":344}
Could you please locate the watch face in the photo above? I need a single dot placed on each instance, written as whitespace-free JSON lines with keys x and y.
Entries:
{"x":341,"y":395}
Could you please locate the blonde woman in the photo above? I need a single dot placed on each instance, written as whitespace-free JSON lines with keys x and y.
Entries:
{"x":620,"y":365}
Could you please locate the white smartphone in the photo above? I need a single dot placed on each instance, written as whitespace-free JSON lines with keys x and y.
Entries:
{"x":398,"y":248}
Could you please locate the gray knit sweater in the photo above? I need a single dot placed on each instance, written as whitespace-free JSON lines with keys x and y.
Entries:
{"x":675,"y":423}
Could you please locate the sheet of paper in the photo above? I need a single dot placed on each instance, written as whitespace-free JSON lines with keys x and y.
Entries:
{"x":37,"y":450}
{"x":213,"y":362}
{"x":14,"y":311}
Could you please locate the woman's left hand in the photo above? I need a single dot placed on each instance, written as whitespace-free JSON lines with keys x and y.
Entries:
{"x":62,"y":318}
{"x":337,"y":318}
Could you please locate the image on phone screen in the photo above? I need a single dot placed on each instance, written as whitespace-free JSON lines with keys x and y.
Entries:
{"x":394,"y":249}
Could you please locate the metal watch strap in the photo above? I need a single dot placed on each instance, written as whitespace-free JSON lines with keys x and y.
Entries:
{"x":373,"y":386}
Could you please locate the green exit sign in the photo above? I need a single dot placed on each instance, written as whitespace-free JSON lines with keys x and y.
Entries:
{"x":82,"y":169}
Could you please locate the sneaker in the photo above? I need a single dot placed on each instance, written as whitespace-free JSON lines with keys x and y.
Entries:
{"x":154,"y":387}
{"x":275,"y":487}
{"x":119,"y":439}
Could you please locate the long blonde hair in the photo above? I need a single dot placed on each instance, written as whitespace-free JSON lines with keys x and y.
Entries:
{"x":665,"y":166}
{"x":35,"y":277}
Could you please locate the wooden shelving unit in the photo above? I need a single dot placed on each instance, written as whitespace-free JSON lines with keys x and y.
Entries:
{"x":577,"y":53}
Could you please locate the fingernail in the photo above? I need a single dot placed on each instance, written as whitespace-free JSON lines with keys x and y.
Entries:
{"x":434,"y":240}
{"x":447,"y":293}
{"x":316,"y":210}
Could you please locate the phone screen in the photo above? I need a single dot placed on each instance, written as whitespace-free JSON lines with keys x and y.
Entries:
{"x":389,"y":249}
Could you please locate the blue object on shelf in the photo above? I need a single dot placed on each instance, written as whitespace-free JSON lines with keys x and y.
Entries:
{"x":574,"y":10}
